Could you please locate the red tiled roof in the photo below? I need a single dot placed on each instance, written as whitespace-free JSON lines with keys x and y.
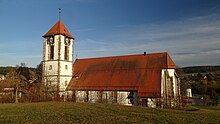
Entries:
{"x":122,"y":73}
{"x":58,"y":28}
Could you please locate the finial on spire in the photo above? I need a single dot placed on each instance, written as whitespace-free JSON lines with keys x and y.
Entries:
{"x":59,"y":13}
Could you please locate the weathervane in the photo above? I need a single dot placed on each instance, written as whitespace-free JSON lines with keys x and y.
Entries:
{"x":59,"y":13}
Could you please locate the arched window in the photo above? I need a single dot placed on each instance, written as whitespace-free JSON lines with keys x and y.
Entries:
{"x":51,"y":56}
{"x":66,"y":53}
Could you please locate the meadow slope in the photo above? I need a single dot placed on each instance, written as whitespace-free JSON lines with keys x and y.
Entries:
{"x":67,"y":112}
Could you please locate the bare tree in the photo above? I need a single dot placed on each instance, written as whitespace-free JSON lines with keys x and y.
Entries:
{"x":22,"y":79}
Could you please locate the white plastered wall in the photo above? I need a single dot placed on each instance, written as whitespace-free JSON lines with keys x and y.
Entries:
{"x":164,"y":77}
{"x":64,"y":81}
{"x":65,"y":69}
{"x":93,"y":96}
{"x":151,"y":102}
{"x":169,"y":74}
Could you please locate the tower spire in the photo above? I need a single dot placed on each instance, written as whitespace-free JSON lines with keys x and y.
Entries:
{"x":59,"y":13}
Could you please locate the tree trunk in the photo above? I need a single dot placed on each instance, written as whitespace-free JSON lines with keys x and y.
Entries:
{"x":16,"y":94}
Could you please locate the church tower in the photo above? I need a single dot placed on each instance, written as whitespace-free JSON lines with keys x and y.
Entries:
{"x":57,"y":60}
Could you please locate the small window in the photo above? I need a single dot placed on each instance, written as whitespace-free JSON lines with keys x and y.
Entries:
{"x":66,"y":83}
{"x":66,"y":66}
{"x":50,"y":67}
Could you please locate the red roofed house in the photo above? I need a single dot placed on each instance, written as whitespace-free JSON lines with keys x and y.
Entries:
{"x":142,"y":79}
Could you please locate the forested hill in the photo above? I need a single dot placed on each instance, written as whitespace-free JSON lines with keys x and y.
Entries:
{"x":5,"y":70}
{"x":204,"y":82}
{"x":200,"y":69}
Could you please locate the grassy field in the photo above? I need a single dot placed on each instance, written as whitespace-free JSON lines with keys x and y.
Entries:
{"x":67,"y":112}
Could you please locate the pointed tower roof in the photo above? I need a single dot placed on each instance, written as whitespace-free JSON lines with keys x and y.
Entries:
{"x":58,"y":28}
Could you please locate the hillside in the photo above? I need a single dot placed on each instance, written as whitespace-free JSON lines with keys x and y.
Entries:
{"x":5,"y":70}
{"x":204,"y":82}
{"x":199,"y":69}
{"x":67,"y":112}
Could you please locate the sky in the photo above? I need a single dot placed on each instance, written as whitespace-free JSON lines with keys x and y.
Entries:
{"x":189,"y":30}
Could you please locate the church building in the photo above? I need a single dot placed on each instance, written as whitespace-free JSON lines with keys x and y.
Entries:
{"x":141,"y":79}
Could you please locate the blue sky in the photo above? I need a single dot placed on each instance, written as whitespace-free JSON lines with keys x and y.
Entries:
{"x":189,"y":30}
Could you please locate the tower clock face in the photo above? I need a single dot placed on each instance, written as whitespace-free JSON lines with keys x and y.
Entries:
{"x":67,"y":41}
{"x":50,"y":40}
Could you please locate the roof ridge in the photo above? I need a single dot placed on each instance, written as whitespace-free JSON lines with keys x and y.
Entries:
{"x":116,"y":56}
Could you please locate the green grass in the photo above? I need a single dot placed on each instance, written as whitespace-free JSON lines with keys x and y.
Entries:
{"x":67,"y":112}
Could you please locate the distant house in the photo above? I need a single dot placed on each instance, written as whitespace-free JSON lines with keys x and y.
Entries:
{"x":6,"y":92}
{"x":2,"y":77}
{"x":142,"y":79}
{"x":189,"y":92}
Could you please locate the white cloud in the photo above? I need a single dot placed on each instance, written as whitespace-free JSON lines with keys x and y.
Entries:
{"x":190,"y":41}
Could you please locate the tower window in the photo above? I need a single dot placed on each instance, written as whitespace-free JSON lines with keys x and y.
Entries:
{"x":66,"y":53}
{"x":66,"y":83}
{"x":51,"y":52}
{"x":66,"y":66}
